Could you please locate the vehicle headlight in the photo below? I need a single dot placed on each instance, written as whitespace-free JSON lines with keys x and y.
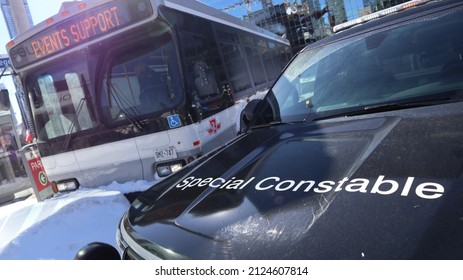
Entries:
{"x":168,"y":168}
{"x":65,"y":185}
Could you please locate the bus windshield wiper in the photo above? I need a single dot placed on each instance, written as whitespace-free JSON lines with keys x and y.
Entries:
{"x":113,"y":92}
{"x":75,"y":119}
{"x":73,"y":123}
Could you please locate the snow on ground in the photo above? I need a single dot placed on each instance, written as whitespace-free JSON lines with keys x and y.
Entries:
{"x":55,"y":229}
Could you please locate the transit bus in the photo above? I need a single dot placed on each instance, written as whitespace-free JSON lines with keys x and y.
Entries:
{"x":122,"y":90}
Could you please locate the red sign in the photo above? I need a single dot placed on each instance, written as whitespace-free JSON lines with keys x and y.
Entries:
{"x":37,"y":170}
{"x":215,"y":126}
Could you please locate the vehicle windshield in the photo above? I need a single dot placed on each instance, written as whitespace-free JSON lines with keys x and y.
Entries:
{"x":144,"y":83}
{"x":59,"y":97}
{"x":407,"y":63}
{"x":112,"y":87}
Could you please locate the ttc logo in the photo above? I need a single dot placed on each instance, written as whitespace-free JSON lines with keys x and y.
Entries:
{"x":215,"y":127}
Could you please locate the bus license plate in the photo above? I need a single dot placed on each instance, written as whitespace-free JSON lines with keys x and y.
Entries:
{"x":161,"y":154}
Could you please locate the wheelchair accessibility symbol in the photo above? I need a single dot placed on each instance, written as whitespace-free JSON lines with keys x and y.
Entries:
{"x":174,"y":121}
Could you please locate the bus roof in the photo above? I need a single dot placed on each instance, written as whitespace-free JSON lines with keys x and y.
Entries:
{"x":67,"y":10}
{"x":200,"y":9}
{"x":70,"y":9}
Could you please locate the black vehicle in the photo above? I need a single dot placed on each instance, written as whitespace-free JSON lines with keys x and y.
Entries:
{"x":355,"y":152}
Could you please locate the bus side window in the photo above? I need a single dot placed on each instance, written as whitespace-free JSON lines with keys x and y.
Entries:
{"x":202,"y":83}
{"x":208,"y":82}
{"x":205,"y":81}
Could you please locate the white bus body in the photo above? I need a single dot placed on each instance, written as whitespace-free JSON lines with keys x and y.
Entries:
{"x":94,"y":117}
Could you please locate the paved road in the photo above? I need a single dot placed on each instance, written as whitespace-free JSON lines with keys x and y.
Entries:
{"x":18,"y":189}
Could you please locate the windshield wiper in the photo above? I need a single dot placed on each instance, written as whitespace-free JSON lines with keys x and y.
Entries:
{"x":275,"y":123}
{"x":385,"y":107}
{"x":113,"y":92}
{"x":74,"y":121}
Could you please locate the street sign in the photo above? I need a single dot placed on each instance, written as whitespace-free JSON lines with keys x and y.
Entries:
{"x":174,"y":121}
{"x":4,"y":62}
{"x":36,"y":172}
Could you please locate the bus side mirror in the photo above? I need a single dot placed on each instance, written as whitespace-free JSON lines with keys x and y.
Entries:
{"x":248,"y":114}
{"x":4,"y":100}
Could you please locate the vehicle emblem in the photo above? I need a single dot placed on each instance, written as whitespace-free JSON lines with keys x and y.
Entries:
{"x":215,"y":126}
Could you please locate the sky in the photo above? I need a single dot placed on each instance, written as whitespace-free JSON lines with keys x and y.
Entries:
{"x":235,"y":7}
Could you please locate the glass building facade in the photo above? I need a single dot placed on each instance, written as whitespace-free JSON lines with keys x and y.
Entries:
{"x":8,"y":15}
{"x":301,"y":21}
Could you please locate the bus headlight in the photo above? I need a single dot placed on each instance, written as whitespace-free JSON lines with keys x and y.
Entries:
{"x":168,"y":168}
{"x":65,"y":185}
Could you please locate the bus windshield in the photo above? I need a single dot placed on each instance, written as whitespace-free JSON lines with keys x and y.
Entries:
{"x":134,"y":87}
{"x":59,"y":97}
{"x":140,"y":85}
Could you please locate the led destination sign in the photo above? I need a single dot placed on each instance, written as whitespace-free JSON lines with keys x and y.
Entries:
{"x":80,"y":28}
{"x":77,"y":32}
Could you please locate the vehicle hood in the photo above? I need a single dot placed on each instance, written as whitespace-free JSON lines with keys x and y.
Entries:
{"x":380,"y":186}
